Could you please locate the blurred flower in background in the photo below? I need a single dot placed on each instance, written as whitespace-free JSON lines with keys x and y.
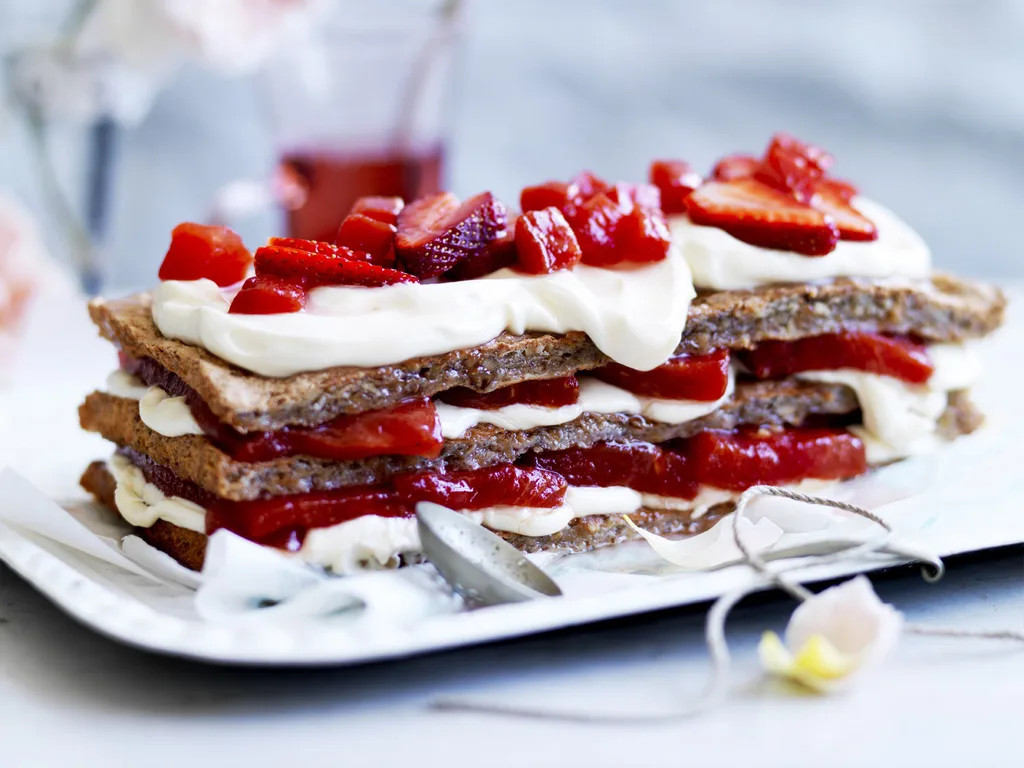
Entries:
{"x":115,"y":55}
{"x":105,"y":69}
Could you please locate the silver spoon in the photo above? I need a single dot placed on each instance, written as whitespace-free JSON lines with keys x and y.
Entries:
{"x":477,"y":564}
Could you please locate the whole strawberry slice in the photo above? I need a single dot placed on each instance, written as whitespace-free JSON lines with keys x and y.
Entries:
{"x":314,"y":269}
{"x":498,"y":255}
{"x":735,"y":167}
{"x":763,"y":216}
{"x":321,"y":247}
{"x":436,"y":233}
{"x":852,"y":224}
{"x":545,"y":242}
{"x":204,"y":251}
{"x":268,"y":295}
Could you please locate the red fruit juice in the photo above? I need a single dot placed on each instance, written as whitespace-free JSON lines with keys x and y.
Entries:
{"x":333,"y":182}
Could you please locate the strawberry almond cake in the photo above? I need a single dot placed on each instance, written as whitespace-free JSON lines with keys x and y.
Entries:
{"x":642,"y":349}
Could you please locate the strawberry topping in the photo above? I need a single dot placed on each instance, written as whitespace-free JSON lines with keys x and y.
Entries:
{"x":676,"y":179}
{"x":844,"y":190}
{"x":385,"y":209}
{"x":758,"y":214}
{"x":268,"y":295}
{"x":548,"y":194}
{"x":737,"y":460}
{"x":642,"y":236}
{"x":315,"y":269}
{"x":545,"y":242}
{"x":641,"y":466}
{"x":497,"y":255}
{"x":436,"y":233}
{"x":364,"y":234}
{"x":792,"y":166}
{"x":683,"y":377}
{"x":735,"y":167}
{"x":501,"y":485}
{"x":852,"y":224}
{"x":547,"y":392}
{"x":895,"y":356}
{"x":595,"y":223}
{"x":200,"y":251}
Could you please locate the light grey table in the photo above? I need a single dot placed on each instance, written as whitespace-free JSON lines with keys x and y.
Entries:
{"x":68,"y":697}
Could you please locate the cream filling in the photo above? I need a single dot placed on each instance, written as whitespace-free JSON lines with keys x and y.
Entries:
{"x":900,"y":419}
{"x":141,"y":503}
{"x":171,"y":416}
{"x":595,"y":397}
{"x":635,"y":315}
{"x":721,"y":262}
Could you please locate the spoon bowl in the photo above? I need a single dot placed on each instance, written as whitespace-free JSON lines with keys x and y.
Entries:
{"x":476,"y":563}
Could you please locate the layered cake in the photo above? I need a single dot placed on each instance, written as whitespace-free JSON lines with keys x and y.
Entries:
{"x":648,"y":350}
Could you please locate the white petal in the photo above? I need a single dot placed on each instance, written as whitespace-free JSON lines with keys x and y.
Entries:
{"x":851,"y":617}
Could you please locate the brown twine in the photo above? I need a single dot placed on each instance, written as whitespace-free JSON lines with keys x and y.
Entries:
{"x":714,"y":633}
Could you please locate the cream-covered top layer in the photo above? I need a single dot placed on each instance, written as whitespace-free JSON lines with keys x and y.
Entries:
{"x":721,"y":262}
{"x":634,"y":315}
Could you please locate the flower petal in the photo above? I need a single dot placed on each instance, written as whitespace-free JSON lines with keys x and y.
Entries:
{"x":817,"y":665}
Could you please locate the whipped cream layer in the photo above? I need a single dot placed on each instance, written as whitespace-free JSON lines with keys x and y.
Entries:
{"x":634,"y":315}
{"x":171,"y":417}
{"x":595,"y":397}
{"x":900,"y":419}
{"x":720,"y":262}
{"x":372,"y":541}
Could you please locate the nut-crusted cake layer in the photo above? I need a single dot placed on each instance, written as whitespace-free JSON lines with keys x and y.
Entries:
{"x":583,"y":534}
{"x":942,"y":309}
{"x":195,"y":458}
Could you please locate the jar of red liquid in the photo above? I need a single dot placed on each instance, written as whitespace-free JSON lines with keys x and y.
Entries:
{"x":363,"y":110}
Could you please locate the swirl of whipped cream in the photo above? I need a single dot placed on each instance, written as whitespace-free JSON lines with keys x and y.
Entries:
{"x":634,"y":315}
{"x":721,"y":262}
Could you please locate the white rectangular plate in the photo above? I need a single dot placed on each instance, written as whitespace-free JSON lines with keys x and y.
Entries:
{"x":969,"y":497}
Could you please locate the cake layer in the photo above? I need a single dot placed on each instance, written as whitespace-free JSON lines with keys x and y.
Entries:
{"x":195,"y":458}
{"x":582,"y":534}
{"x":942,"y":309}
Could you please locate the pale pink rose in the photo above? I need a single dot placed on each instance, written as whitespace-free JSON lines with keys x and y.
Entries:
{"x":25,"y":271}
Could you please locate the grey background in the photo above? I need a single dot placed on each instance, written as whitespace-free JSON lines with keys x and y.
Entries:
{"x":921,"y":101}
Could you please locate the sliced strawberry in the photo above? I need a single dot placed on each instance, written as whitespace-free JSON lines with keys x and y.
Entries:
{"x":268,"y":295}
{"x":642,"y":236}
{"x":545,"y":242}
{"x":498,"y":255}
{"x":385,"y":209}
{"x":499,"y":485}
{"x":200,"y":251}
{"x":550,"y":193}
{"x":362,"y":233}
{"x":325,"y":269}
{"x":676,"y":180}
{"x":735,"y":167}
{"x":760,"y":215}
{"x":436,"y":233}
{"x":321,"y":247}
{"x":852,"y":224}
{"x":792,"y":166}
{"x":838,"y":187}
{"x":595,"y":223}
